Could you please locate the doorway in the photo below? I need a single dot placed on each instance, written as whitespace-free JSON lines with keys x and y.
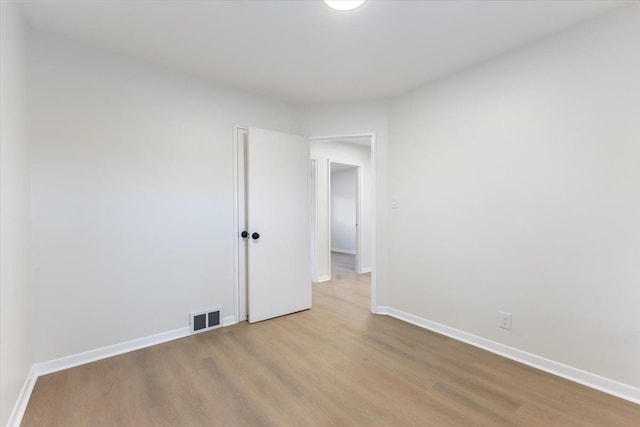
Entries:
{"x":317,"y":173}
{"x":359,"y":152}
{"x":344,"y":214}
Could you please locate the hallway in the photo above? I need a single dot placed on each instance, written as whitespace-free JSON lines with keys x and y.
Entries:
{"x":343,"y":262}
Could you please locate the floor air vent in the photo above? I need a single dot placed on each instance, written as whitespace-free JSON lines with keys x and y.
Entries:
{"x":206,"y":320}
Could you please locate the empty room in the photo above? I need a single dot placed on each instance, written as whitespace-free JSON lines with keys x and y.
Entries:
{"x":320,"y":213}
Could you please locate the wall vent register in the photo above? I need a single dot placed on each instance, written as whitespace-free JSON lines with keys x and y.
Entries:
{"x":201,"y":321}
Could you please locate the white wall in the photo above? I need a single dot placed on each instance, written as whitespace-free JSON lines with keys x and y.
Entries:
{"x":518,"y":184}
{"x":15,"y":281}
{"x":357,"y":118}
{"x":132,"y":194}
{"x":343,"y":210}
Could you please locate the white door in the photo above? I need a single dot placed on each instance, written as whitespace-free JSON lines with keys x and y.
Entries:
{"x":278,"y":219}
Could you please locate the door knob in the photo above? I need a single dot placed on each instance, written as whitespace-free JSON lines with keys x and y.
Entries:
{"x":255,"y":236}
{"x":244,"y":234}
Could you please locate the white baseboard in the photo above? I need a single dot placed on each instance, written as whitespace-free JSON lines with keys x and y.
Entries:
{"x":78,"y":359}
{"x":229,"y":320}
{"x":15,"y":419}
{"x":606,"y":385}
{"x":324,"y":278}
{"x":343,"y":251}
{"x":365,"y":270}
{"x":382,"y":309}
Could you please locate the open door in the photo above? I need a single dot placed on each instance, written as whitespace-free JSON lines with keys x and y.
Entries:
{"x":278,"y":221}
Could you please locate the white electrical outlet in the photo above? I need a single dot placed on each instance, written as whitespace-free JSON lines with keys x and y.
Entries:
{"x":505,"y":320}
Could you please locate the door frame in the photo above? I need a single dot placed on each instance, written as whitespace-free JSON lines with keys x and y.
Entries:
{"x":374,"y":198}
{"x":358,"y":266}
{"x":314,"y":221}
{"x":239,"y":300}
{"x":240,"y":291}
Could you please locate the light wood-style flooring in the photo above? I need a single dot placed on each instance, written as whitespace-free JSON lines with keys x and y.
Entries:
{"x":342,"y":261}
{"x":333,"y":365}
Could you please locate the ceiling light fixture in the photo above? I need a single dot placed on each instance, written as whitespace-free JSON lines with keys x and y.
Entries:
{"x":344,"y":5}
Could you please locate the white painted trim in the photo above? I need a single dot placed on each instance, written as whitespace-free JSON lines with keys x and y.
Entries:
{"x":323,"y":279}
{"x":15,"y":419}
{"x":340,"y":137}
{"x":344,"y":251}
{"x":359,"y":215}
{"x":328,"y":213}
{"x":606,"y":385}
{"x":229,"y":320}
{"x":381,"y":309}
{"x":78,"y":359}
{"x":236,"y":216}
{"x":374,"y":222}
{"x":314,"y":222}
{"x":365,"y":270}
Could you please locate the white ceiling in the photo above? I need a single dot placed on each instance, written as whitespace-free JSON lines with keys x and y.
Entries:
{"x":303,"y":52}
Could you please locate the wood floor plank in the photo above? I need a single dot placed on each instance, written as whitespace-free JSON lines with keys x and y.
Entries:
{"x":333,"y":365}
